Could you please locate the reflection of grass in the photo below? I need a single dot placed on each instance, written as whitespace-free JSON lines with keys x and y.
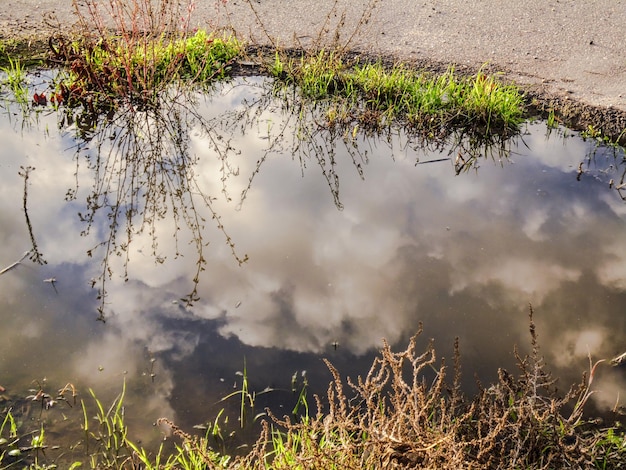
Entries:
{"x":385,"y":94}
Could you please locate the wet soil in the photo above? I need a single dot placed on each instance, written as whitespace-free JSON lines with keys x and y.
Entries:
{"x":567,"y":55}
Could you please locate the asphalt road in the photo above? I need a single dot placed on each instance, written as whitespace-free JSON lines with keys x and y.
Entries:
{"x":574,"y":49}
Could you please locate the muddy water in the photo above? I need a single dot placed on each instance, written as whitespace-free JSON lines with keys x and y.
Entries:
{"x":348,"y":239}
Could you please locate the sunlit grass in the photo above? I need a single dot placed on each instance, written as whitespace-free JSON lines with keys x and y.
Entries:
{"x":15,"y":79}
{"x":392,"y":417}
{"x":400,"y":93}
{"x":139,"y":70}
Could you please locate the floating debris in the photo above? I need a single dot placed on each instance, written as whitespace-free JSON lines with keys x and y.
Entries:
{"x":39,"y":99}
{"x":52,"y":281}
{"x":579,"y":171}
{"x":434,"y":161}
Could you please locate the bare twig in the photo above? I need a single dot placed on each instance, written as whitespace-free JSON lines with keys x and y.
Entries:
{"x":12,"y":265}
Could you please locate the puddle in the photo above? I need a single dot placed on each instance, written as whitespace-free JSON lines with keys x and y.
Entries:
{"x":243,"y":233}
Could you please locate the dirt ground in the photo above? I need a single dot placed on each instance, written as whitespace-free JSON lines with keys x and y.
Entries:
{"x":570,"y":54}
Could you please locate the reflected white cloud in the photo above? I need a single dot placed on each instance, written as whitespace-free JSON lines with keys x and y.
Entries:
{"x":574,"y":345}
{"x":465,"y":254}
{"x":612,"y":272}
{"x":534,"y":223}
{"x":533,"y":279}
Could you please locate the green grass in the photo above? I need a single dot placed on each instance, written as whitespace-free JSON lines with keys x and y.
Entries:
{"x":23,"y":451}
{"x":8,"y":439}
{"x":593,"y":133}
{"x":391,"y":417}
{"x":140,"y":68}
{"x":29,"y":52}
{"x":400,"y":94}
{"x":16,"y":79}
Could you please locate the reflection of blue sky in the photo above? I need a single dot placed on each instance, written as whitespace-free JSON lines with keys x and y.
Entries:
{"x":414,"y":243}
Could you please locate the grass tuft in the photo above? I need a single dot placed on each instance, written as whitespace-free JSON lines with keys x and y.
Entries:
{"x":479,"y":103}
{"x":110,"y":70}
{"x":15,"y":80}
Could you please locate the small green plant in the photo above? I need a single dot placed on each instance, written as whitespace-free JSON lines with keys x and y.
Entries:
{"x":602,"y":141}
{"x":106,"y":443}
{"x":16,"y":81}
{"x":37,"y":447}
{"x":9,"y":450}
{"x":610,"y":448}
{"x":192,"y":453}
{"x":552,"y":121}
{"x":247,"y":398}
{"x":301,"y":402}
{"x":594,"y":133}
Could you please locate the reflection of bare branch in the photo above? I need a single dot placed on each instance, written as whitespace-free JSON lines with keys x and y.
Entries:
{"x":36,"y":256}
{"x":12,"y":265}
{"x":143,"y":174}
{"x":317,"y":138}
{"x":143,"y":167}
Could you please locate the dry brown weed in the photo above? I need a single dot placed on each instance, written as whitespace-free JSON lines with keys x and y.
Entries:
{"x":407,"y":415}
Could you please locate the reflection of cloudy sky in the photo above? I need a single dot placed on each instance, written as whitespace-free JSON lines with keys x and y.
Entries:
{"x":463,"y":254}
